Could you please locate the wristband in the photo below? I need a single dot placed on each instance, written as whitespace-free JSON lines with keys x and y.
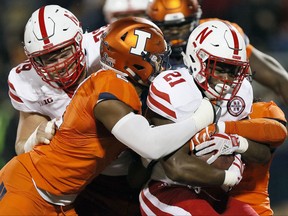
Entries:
{"x":243,"y":145}
{"x":230,"y":179}
{"x":221,"y":127}
{"x":31,"y":141}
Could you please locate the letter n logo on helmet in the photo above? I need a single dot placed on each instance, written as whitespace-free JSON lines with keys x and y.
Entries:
{"x":141,"y":42}
{"x":203,"y":35}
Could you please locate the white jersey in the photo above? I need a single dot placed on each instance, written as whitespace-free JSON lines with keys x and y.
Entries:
{"x":29,"y":93}
{"x":175,"y":96}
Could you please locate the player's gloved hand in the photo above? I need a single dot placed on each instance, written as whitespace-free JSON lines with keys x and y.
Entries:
{"x":42,"y":134}
{"x":234,"y":173}
{"x":202,"y":136}
{"x":221,"y":144}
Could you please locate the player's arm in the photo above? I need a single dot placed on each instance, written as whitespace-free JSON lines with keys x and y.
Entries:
{"x":33,"y":128}
{"x":150,"y":142}
{"x":183,"y":166}
{"x":267,"y":124}
{"x":240,"y":139}
{"x":270,"y":73}
{"x":189,"y":169}
{"x":266,"y":128}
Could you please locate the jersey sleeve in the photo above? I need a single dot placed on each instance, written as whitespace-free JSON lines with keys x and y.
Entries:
{"x":91,"y":44}
{"x":20,"y":88}
{"x":263,"y":126}
{"x":119,"y":88}
{"x":174,"y":95}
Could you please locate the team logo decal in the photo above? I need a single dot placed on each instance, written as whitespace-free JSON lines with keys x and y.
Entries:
{"x":236,"y":106}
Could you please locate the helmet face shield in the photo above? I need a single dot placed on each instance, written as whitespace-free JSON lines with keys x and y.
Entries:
{"x":159,"y":62}
{"x":61,"y":67}
{"x":221,"y":77}
{"x":176,"y":18}
{"x":176,"y":35}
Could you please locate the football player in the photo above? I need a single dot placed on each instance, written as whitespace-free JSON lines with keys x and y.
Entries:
{"x":177,"y":18}
{"x":102,"y":119}
{"x":60,"y":57}
{"x":216,"y":58}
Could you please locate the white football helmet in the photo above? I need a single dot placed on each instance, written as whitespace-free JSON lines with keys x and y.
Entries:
{"x":216,"y":57}
{"x":53,"y":30}
{"x":115,"y":9}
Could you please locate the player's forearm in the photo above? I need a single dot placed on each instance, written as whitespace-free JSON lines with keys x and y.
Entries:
{"x":19,"y":147}
{"x":262,"y":130}
{"x":156,"y":142}
{"x":257,"y":153}
{"x":192,"y":171}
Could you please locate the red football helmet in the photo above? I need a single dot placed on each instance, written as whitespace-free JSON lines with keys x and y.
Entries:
{"x":134,"y":47}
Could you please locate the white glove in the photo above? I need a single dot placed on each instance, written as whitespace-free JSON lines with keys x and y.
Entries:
{"x":234,"y":173}
{"x":221,"y":144}
{"x":42,"y":134}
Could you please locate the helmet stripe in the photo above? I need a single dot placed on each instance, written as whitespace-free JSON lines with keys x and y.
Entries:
{"x":42,"y":26}
{"x":235,"y":38}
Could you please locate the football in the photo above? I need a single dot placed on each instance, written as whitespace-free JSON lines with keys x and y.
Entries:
{"x":222,"y":162}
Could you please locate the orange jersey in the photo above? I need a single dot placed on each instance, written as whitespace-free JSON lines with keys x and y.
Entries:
{"x":253,"y":188}
{"x":249,"y":47}
{"x":82,"y":147}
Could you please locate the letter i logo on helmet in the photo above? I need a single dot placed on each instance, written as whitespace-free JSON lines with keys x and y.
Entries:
{"x":141,"y":42}
{"x":137,"y":48}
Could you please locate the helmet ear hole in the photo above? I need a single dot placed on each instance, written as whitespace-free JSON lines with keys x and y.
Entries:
{"x":138,"y":67}
{"x":124,"y":36}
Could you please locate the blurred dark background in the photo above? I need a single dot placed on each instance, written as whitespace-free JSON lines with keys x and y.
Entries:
{"x":264,"y":21}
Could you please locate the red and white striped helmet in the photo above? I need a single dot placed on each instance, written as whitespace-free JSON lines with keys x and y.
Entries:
{"x":49,"y":29}
{"x":216,"y":47}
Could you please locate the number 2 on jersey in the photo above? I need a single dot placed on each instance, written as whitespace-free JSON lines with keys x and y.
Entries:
{"x":174,"y":78}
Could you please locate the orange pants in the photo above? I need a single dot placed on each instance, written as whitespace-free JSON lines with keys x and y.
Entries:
{"x":18,"y":195}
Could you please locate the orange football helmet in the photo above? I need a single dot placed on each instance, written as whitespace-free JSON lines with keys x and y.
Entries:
{"x":176,"y":18}
{"x":134,"y":47}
